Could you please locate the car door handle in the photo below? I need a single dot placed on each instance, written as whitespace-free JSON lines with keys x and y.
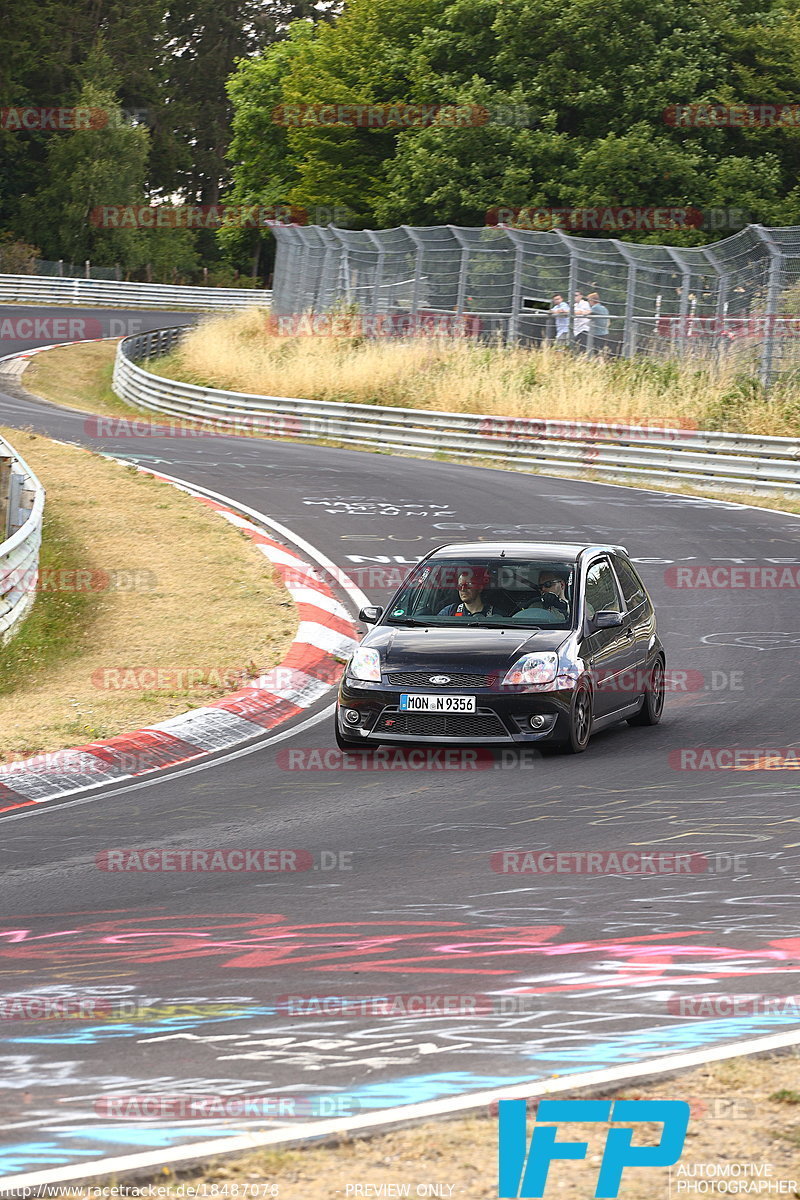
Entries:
{"x":628,"y":633}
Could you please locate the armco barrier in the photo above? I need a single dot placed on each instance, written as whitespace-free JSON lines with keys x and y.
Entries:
{"x":21,"y":512}
{"x":553,"y":447}
{"x":15,"y":289}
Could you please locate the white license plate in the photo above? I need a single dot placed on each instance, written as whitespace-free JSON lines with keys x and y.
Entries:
{"x":430,"y":702}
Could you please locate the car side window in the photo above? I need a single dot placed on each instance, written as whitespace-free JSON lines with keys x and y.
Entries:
{"x":601,"y":589}
{"x":631,"y":584}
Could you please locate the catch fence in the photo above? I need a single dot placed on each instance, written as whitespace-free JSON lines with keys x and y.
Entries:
{"x":737,"y":299}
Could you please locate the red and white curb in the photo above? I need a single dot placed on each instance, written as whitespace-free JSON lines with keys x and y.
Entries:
{"x":325,"y":639}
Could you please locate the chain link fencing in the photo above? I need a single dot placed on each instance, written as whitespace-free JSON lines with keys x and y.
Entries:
{"x":736,"y":301}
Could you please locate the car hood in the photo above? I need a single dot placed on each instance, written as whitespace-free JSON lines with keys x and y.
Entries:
{"x":460,"y":649}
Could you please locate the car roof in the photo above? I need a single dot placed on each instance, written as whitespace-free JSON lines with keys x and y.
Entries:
{"x":543,"y":550}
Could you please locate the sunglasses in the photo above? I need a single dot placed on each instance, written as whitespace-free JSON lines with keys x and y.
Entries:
{"x":548,"y":582}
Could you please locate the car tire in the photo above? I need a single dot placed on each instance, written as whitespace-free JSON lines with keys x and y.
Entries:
{"x":580,"y":723}
{"x":350,"y":747}
{"x":653,"y":706}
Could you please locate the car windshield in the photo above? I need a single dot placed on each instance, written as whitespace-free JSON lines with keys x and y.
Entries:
{"x":496,"y":592}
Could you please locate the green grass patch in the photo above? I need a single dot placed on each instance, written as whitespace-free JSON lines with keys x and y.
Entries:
{"x":58,"y":626}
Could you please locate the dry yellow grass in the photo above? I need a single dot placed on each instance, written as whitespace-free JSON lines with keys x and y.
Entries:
{"x":734,"y":1118}
{"x":209,"y":604}
{"x":239,"y":353}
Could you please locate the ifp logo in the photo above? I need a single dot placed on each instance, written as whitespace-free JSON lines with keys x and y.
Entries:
{"x":523,"y":1170}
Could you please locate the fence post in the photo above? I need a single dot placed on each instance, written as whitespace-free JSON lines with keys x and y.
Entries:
{"x":420,"y":249}
{"x":463,"y":268}
{"x":573,"y":281}
{"x":515,"y":237}
{"x":5,"y":488}
{"x":87,"y":266}
{"x":376,"y":287}
{"x":61,"y":268}
{"x":686,"y":283}
{"x":773,"y":292}
{"x":629,"y":333}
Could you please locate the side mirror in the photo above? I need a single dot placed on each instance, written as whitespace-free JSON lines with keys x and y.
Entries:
{"x":606,"y":620}
{"x":370,"y":615}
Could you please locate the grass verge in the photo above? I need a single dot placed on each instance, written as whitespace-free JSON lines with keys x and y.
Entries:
{"x":80,"y":376}
{"x":175,"y":607}
{"x":743,"y":1110}
{"x":238,"y":352}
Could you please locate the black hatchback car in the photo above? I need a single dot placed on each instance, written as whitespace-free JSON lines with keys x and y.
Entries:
{"x":514,"y":642}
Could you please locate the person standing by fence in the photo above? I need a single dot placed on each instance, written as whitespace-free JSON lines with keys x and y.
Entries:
{"x":600,"y":323}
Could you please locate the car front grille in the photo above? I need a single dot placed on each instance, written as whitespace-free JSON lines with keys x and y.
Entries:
{"x":422,"y":679}
{"x":482,"y":724}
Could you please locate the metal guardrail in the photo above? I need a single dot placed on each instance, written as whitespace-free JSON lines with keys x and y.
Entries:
{"x":51,"y":290}
{"x":21,"y":512}
{"x":552,"y":447}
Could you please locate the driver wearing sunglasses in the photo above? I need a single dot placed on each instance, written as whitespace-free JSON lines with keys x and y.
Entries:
{"x":553,"y":588}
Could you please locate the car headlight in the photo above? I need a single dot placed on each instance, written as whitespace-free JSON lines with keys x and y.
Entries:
{"x":533,"y":668}
{"x":365,"y":664}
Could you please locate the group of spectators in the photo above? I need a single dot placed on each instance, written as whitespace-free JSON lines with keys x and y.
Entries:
{"x":589,"y":316}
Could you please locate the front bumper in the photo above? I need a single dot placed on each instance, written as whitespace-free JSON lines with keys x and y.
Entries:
{"x":501,"y":717}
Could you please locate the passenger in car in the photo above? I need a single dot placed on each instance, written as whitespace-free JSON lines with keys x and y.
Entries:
{"x":551,"y":606}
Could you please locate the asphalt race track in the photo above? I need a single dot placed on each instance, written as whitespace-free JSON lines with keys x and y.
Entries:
{"x":581,"y":970}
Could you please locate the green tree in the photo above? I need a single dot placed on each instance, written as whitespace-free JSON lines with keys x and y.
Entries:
{"x":595,"y":81}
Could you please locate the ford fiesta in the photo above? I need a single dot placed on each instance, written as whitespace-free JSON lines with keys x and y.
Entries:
{"x":507,"y":642}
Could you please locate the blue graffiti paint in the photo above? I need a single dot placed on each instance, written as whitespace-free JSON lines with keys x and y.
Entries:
{"x":78,"y":1034}
{"x":26,"y":1155}
{"x":668,"y":1039}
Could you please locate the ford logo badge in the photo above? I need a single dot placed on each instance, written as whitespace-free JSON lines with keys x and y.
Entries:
{"x":439,"y":679}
